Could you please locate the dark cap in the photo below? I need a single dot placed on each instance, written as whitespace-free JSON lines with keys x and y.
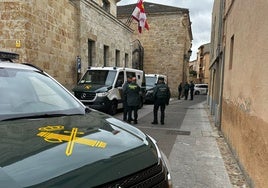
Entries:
{"x":161,"y":78}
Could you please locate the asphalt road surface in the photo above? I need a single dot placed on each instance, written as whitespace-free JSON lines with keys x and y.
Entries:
{"x":166,"y":134}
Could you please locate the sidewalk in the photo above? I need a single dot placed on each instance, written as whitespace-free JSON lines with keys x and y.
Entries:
{"x":195,"y":159}
{"x":194,"y":156}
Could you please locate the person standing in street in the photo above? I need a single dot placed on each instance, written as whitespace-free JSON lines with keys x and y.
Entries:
{"x":161,"y":99}
{"x":191,"y":90}
{"x":124,"y":96}
{"x":186,"y":90}
{"x":133,"y":99}
{"x":179,"y":91}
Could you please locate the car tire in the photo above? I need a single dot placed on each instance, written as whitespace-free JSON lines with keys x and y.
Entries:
{"x":113,"y":107}
{"x":197,"y":93}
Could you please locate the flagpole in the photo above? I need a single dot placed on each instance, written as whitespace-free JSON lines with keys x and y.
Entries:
{"x":139,"y":15}
{"x":130,"y":18}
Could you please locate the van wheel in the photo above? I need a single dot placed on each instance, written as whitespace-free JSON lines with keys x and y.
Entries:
{"x":197,"y":93}
{"x":113,"y":108}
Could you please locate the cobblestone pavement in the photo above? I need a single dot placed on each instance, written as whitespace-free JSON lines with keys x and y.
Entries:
{"x":236,"y":176}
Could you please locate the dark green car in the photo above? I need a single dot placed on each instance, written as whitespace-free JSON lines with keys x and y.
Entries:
{"x":50,"y":139}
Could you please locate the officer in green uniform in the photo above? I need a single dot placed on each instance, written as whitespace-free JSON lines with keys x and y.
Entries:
{"x":161,"y":99}
{"x":133,"y":99}
{"x":186,"y":90}
{"x":125,"y":106}
{"x":191,"y":87}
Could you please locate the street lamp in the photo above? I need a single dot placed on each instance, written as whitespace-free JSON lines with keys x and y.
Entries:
{"x":188,"y":55}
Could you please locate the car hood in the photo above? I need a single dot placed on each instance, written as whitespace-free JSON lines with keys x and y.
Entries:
{"x":72,"y":150}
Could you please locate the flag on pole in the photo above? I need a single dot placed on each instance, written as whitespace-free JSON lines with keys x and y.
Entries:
{"x":140,"y":16}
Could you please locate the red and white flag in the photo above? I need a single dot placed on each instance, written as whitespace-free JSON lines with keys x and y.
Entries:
{"x":139,"y":15}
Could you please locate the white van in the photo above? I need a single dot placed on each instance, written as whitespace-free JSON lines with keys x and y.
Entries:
{"x":151,"y":81}
{"x":200,"y":89}
{"x":101,"y":87}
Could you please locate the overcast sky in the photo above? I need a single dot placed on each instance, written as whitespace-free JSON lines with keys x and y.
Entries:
{"x":200,"y":15}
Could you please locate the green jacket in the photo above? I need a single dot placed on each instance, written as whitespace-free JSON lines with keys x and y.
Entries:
{"x":133,"y":94}
{"x":162,"y":93}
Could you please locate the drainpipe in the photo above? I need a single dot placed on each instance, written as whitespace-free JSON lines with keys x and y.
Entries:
{"x":222,"y":60}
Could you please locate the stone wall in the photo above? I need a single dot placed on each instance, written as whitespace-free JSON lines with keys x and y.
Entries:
{"x":206,"y":61}
{"x":245,"y":91}
{"x":165,"y":44}
{"x":104,"y":29}
{"x":113,"y":7}
{"x":47,"y":34}
{"x":247,"y":136}
{"x":53,"y":33}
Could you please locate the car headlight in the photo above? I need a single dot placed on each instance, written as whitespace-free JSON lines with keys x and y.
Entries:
{"x":103,"y":94}
{"x":150,"y":91}
{"x":165,"y":161}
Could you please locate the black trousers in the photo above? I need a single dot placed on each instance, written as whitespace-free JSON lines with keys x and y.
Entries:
{"x":186,"y":93}
{"x":135,"y":110}
{"x":192,"y":94}
{"x":179,"y":96}
{"x":162,"y":106}
{"x":125,"y":112}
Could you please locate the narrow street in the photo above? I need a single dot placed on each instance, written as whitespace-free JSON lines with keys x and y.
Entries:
{"x":165,"y":134}
{"x":198,"y":154}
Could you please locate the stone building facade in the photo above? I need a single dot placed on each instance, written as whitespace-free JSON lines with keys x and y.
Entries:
{"x":52,"y":34}
{"x":167,"y":43}
{"x":193,"y":67}
{"x":43,"y":33}
{"x":203,"y":62}
{"x":216,"y":62}
{"x":237,"y":55}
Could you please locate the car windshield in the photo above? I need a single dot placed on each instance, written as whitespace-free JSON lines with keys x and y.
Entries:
{"x":100,"y":77}
{"x":150,"y":81}
{"x":25,"y":93}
